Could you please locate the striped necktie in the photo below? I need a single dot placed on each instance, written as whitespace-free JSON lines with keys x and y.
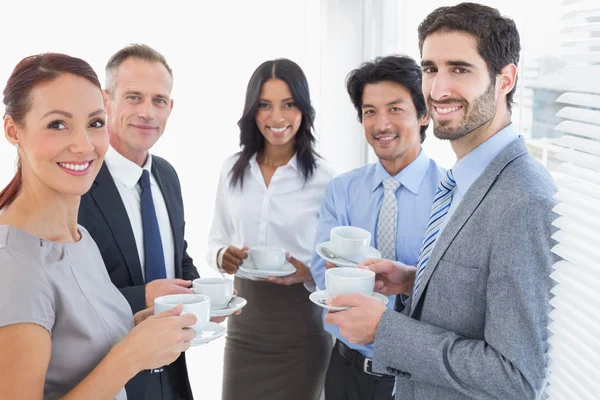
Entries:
{"x":439,"y":210}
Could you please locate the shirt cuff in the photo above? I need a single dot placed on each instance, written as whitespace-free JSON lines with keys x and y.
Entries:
{"x":220,"y":257}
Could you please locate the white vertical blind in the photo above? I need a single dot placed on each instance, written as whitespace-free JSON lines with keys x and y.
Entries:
{"x":574,"y":355}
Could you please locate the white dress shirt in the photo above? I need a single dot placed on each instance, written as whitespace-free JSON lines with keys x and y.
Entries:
{"x":126,"y":175}
{"x":284,"y":214}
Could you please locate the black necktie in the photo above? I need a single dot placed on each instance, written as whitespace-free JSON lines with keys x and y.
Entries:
{"x":153,"y":250}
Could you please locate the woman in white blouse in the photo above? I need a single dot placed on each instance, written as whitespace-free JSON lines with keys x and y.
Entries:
{"x":270,"y":194}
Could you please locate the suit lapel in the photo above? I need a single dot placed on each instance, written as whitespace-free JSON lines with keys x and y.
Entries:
{"x":107,"y":198}
{"x":467,"y":207}
{"x":175,"y":213}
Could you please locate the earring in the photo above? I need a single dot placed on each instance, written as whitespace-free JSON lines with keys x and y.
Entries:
{"x":17,"y":146}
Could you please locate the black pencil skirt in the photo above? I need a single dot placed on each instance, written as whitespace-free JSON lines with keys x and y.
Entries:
{"x":277,"y":348}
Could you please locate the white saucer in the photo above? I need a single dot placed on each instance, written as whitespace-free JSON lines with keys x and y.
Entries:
{"x":371,"y":252}
{"x":236,"y":304}
{"x":211,"y":332}
{"x":248,"y":267}
{"x":321,"y":295}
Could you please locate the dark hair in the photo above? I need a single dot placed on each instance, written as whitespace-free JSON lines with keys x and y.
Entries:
{"x":497,"y":36}
{"x":30,"y":72}
{"x":252,"y":141}
{"x":135,"y":50}
{"x":402,"y":70}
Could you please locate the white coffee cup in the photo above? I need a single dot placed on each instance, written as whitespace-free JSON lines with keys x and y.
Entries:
{"x":350,"y":242}
{"x":197,"y":304}
{"x":349,"y":280}
{"x":220,"y":290}
{"x":267,"y":258}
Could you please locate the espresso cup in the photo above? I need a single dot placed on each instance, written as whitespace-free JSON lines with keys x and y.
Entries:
{"x":197,"y":304}
{"x":350,"y":242}
{"x":267,"y":258}
{"x":220,"y":290}
{"x":349,"y":280}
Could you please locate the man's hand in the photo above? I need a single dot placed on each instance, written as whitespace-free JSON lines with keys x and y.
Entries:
{"x":392,"y":277}
{"x":233,"y":258}
{"x":301,"y":275}
{"x":358,"y":323}
{"x":162,"y":287}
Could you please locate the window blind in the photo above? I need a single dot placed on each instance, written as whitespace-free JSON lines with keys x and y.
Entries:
{"x":574,"y":352}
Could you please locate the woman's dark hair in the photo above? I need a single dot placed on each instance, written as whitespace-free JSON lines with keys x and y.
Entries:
{"x":30,"y":72}
{"x":497,"y":36}
{"x":251,"y":139}
{"x":402,"y":70}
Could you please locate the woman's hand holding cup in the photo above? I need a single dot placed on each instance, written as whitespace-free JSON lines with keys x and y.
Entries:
{"x":159,"y":339}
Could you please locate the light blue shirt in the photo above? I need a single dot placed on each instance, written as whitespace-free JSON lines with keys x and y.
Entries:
{"x":470,"y":167}
{"x":354,"y":199}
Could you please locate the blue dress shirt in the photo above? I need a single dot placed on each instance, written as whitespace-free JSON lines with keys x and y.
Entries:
{"x":354,"y":199}
{"x":470,"y":167}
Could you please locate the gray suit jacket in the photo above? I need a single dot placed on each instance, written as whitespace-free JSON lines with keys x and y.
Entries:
{"x":477,"y":329}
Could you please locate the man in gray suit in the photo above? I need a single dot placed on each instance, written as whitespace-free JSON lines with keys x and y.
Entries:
{"x":475,"y":325}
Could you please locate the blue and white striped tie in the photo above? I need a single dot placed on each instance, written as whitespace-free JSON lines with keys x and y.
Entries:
{"x":441,"y":205}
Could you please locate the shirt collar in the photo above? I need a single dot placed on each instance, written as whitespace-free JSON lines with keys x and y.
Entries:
{"x":292,"y":163}
{"x":410,"y":177}
{"x":470,"y":167}
{"x":125,"y":170}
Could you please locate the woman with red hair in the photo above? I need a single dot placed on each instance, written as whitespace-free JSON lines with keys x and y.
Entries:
{"x":64,"y":327}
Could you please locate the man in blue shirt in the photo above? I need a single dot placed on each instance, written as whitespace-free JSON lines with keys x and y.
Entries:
{"x":390,"y":198}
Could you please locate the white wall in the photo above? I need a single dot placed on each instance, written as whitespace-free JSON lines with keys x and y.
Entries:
{"x":342,"y":49}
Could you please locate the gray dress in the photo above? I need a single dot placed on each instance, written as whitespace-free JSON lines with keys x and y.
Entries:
{"x":63,"y":287}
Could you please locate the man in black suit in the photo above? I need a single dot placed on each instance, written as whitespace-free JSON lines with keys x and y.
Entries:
{"x":134,"y":209}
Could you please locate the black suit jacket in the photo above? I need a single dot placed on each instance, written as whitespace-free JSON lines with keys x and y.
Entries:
{"x":103,"y":214}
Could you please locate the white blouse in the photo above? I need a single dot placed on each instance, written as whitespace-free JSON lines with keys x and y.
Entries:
{"x":284,"y":214}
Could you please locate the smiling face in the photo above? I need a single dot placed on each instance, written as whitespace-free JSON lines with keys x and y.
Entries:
{"x":460,"y":96}
{"x":63,"y":137}
{"x":138,"y":106}
{"x":391,"y":124}
{"x":278,"y":117}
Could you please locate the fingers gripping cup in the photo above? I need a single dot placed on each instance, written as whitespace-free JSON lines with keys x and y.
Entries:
{"x":197,"y":304}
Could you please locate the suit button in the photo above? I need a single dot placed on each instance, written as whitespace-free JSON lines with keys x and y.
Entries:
{"x":390,"y":370}
{"x":407,"y":375}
